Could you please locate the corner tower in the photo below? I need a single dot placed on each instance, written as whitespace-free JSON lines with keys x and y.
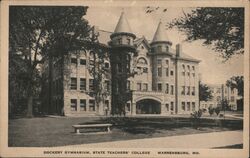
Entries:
{"x":163,"y":68}
{"x":161,"y":42}
{"x":122,"y":51}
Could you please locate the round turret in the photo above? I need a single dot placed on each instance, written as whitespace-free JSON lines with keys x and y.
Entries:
{"x":122,"y":35}
{"x":160,"y":42}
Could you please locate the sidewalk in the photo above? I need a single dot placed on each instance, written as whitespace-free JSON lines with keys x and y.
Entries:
{"x":204,"y":140}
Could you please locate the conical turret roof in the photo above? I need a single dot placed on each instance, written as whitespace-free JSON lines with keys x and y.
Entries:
{"x":160,"y":34}
{"x":123,"y":25}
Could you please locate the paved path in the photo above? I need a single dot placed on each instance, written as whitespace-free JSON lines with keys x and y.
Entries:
{"x":204,"y":140}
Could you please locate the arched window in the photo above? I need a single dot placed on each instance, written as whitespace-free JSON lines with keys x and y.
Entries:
{"x":142,"y":61}
{"x":142,"y":65}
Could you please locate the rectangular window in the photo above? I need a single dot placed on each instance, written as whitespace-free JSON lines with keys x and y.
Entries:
{"x":82,"y":84}
{"x":145,"y":87}
{"x":73,"y":61}
{"x":128,"y":41}
{"x":167,"y":107}
{"x":82,"y":105}
{"x":193,"y":74}
{"x":106,"y":65}
{"x":159,"y":87}
{"x":167,"y":63}
{"x":73,"y":104}
{"x":159,"y":48}
{"x":183,"y":106}
{"x":82,"y":61}
{"x":107,"y":86}
{"x":159,"y":71}
{"x":167,"y":88}
{"x":107,"y":105}
{"x":139,"y":86}
{"x":183,"y":90}
{"x":193,"y":106}
{"x":119,"y":41}
{"x":159,"y":61}
{"x":193,"y":90}
{"x":73,"y":83}
{"x":193,"y":68}
{"x":91,"y":85}
{"x":91,"y":105}
{"x":188,"y":106}
{"x":188,"y":90}
{"x":172,"y":73}
{"x":167,"y":72}
{"x":172,"y":90}
{"x":172,"y":106}
{"x":145,"y":70}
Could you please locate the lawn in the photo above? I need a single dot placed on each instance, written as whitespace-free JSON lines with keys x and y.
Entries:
{"x":48,"y":131}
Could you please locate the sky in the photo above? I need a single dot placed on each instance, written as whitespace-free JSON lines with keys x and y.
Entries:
{"x":212,"y":68}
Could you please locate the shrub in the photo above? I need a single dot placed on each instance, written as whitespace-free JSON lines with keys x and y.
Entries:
{"x":196,"y":115}
{"x":217,"y":110}
{"x":211,"y":110}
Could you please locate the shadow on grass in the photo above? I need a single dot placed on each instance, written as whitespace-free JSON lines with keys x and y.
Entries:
{"x":47,"y":131}
{"x":155,"y":125}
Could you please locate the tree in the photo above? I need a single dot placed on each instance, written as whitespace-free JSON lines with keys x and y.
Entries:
{"x":238,"y":83}
{"x":98,"y":70}
{"x":39,"y":33}
{"x":211,"y":110}
{"x":222,"y":28}
{"x":196,"y":117}
{"x":204,"y":92}
{"x":224,"y":104}
{"x":217,"y":110}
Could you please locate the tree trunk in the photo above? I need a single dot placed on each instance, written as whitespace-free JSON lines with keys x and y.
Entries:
{"x":30,"y":105}
{"x":30,"y":99}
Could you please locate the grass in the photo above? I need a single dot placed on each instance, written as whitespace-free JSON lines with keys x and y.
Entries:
{"x":47,"y":131}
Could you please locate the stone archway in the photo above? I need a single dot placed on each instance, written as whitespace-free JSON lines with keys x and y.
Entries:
{"x":148,"y":106}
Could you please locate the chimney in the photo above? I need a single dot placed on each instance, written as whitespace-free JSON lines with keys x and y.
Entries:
{"x":178,"y":50}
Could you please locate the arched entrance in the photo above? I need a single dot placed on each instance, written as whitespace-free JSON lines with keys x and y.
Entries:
{"x":148,"y":106}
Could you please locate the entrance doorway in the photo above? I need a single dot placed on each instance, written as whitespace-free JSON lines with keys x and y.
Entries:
{"x":148,"y":106}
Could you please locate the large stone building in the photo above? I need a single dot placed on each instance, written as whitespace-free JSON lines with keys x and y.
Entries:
{"x":219,"y":93}
{"x":149,"y":77}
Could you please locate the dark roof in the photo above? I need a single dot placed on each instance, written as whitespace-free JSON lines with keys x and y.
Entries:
{"x":104,"y":38}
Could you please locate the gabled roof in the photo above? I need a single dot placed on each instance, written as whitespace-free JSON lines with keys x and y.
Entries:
{"x":160,"y":34}
{"x":123,"y":25}
{"x":138,"y":41}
